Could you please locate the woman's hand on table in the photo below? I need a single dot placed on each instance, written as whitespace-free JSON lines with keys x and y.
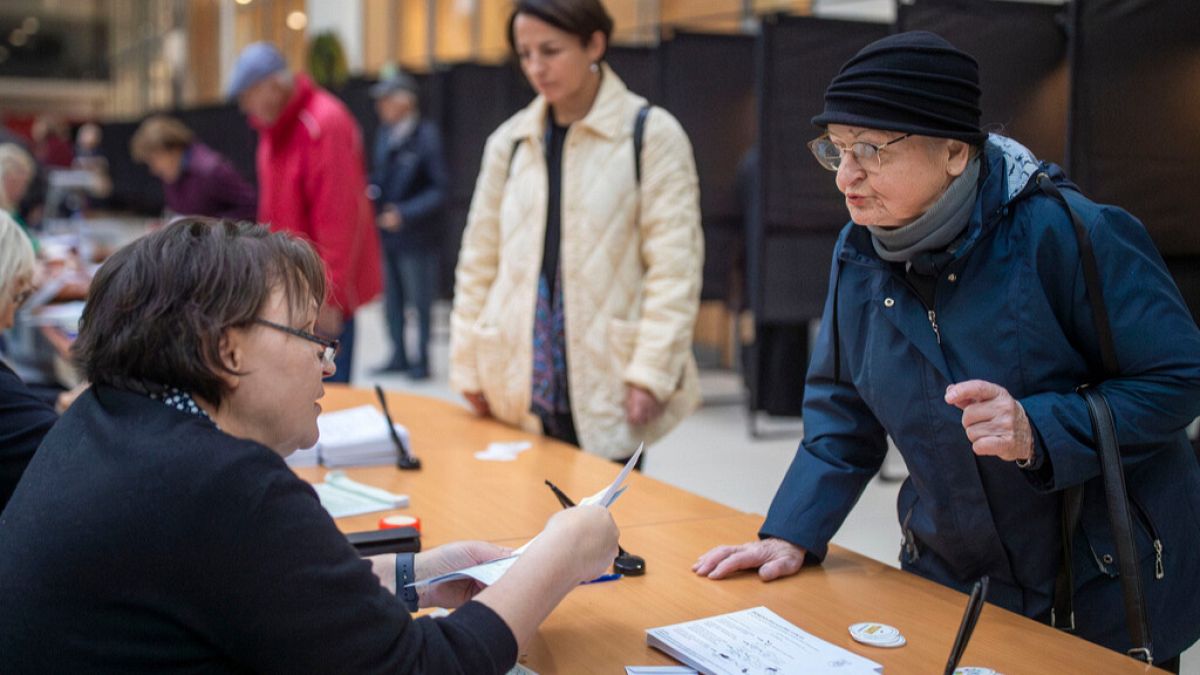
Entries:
{"x":773,"y":557}
{"x":478,"y":403}
{"x":640,"y":405}
{"x":450,"y":558}
{"x":995,"y":422}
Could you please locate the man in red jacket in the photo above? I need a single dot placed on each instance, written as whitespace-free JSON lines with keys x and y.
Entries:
{"x":312,"y":182}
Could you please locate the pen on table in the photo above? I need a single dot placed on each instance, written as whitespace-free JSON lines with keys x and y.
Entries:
{"x":404,"y":460}
{"x":605,"y":577}
{"x":967,"y":625}
{"x":626,"y":563}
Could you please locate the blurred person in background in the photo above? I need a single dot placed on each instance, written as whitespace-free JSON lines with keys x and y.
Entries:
{"x":24,"y":416}
{"x":312,"y":182}
{"x":90,"y":157}
{"x":578,"y":281}
{"x":17,"y":169}
{"x":197,"y":180}
{"x":410,"y":184}
{"x":51,"y":142}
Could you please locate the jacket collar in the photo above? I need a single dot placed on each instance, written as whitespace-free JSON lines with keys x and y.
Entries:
{"x":302,"y":91}
{"x":605,"y":118}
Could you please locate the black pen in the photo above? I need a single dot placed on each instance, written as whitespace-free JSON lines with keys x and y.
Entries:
{"x":404,"y":460}
{"x":967,"y":625}
{"x":626,"y":563}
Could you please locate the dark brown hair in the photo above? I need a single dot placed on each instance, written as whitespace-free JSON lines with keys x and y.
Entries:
{"x":157,"y":309}
{"x":580,"y":18}
{"x":158,"y":133}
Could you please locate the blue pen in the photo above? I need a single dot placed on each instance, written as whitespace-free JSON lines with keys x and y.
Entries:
{"x":605,"y":577}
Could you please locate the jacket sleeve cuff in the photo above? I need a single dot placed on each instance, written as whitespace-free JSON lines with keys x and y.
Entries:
{"x":652,"y":380}
{"x":813,"y":553}
{"x":488,"y":634}
{"x":1066,"y":459}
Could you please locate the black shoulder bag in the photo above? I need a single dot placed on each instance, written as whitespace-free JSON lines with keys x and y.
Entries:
{"x":1105,"y":434}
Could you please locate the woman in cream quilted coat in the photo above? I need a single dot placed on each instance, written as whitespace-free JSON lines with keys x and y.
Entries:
{"x":577,"y":284}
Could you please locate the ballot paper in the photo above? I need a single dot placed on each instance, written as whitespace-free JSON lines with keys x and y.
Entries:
{"x":355,"y":437}
{"x":343,"y":497}
{"x":503,"y":452}
{"x":659,"y":670}
{"x":489,"y":572}
{"x":755,"y":642}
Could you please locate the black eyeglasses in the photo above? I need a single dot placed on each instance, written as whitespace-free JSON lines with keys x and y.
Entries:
{"x":868,"y":155}
{"x":331,"y":346}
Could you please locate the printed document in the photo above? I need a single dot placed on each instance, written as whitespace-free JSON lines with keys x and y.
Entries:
{"x":755,"y":642}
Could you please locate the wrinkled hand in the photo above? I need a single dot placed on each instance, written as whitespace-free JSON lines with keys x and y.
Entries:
{"x":995,"y":422}
{"x":449,"y":558}
{"x":582,"y":538}
{"x":389,"y":219}
{"x":330,"y":322}
{"x":640,"y":406}
{"x":478,"y":403}
{"x":773,"y":557}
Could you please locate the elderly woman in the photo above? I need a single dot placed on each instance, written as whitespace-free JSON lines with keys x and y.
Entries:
{"x":957,"y":323}
{"x":24,"y":417}
{"x":159,"y":529}
{"x":197,"y":180}
{"x":578,"y":281}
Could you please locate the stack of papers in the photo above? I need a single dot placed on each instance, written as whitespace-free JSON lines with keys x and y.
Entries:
{"x":755,"y":642}
{"x":353,"y":437}
{"x":343,"y":497}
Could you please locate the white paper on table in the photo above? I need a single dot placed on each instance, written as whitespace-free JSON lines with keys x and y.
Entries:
{"x":489,"y":572}
{"x":755,"y":642}
{"x":520,"y":670}
{"x":659,"y":670}
{"x":503,"y":452}
{"x":343,"y":497}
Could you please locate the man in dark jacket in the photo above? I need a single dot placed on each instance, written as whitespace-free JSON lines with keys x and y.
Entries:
{"x":409,"y":182}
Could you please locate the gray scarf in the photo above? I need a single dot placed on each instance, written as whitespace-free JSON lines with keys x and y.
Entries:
{"x":935,"y":229}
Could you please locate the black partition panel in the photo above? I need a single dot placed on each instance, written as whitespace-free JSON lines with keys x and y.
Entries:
{"x":708,"y":84}
{"x":1022,"y":53}
{"x":640,"y":68}
{"x":800,"y":204}
{"x":1135,"y":141}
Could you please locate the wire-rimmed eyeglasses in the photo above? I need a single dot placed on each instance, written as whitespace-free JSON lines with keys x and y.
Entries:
{"x":868,"y":155}
{"x":331,"y":346}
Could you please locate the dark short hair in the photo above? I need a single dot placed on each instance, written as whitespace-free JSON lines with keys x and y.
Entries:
{"x":581,"y":18}
{"x":159,"y":133}
{"x":157,"y":309}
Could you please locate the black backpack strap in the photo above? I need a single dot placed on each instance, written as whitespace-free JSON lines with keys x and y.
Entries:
{"x":511,"y":156}
{"x":639,"y":133}
{"x":1109,"y":454}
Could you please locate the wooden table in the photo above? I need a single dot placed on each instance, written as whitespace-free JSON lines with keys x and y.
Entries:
{"x":601,"y":628}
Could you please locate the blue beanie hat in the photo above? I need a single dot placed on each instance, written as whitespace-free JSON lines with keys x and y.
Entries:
{"x":915,"y":82}
{"x":256,"y":62}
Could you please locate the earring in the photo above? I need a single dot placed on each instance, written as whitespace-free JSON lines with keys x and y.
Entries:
{"x":595,"y":67}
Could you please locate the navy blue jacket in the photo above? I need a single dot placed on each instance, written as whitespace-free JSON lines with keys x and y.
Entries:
{"x":412,"y":177}
{"x":1011,"y":309}
{"x":143,"y":539}
{"x":24,"y":420}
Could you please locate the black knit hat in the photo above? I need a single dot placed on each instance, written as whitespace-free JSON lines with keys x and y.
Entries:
{"x":914,"y":82}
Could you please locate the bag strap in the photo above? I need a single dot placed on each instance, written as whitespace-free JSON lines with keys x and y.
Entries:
{"x":1105,"y":436}
{"x":639,"y":134}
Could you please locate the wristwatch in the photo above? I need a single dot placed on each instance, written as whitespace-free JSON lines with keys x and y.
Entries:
{"x":406,"y":574}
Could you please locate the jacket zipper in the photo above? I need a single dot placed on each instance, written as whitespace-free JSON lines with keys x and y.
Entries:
{"x":1159,"y":570}
{"x":929,"y":312}
{"x":937,"y":333}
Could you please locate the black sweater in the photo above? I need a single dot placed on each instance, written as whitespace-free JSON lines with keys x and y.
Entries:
{"x":24,"y":421}
{"x":143,"y":539}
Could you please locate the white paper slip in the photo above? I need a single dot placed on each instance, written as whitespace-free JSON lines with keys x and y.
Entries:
{"x":343,"y":497}
{"x":503,"y":452}
{"x":755,"y":642}
{"x":659,"y":670}
{"x":489,"y":572}
{"x":521,"y":670}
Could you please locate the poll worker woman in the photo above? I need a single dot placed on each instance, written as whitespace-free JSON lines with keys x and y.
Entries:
{"x":577,"y":284}
{"x":197,"y":180}
{"x":957,"y":323}
{"x":157,"y":527}
{"x":24,"y":417}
